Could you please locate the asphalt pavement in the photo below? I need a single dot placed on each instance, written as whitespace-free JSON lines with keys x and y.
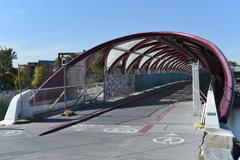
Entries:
{"x":157,"y":127}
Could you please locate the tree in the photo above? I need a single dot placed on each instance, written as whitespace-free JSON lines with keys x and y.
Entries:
{"x":25,"y":79}
{"x":40,"y":76}
{"x":232,"y":63}
{"x":7,"y":55}
{"x":95,"y":70}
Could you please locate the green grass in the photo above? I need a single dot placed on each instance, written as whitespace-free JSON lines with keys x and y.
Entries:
{"x":201,"y":157}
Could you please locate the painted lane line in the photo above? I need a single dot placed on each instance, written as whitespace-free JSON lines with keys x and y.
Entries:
{"x":121,"y":129}
{"x":82,"y":127}
{"x":146,"y":128}
{"x":164,"y":113}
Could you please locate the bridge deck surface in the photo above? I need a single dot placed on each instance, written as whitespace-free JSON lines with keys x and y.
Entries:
{"x":158,"y":127}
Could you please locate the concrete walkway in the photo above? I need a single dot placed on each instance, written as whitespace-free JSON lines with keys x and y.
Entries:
{"x":158,"y":127}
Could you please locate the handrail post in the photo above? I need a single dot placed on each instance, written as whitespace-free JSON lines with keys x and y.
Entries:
{"x":195,"y":87}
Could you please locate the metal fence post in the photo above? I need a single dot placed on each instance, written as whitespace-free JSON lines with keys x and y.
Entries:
{"x":195,"y":88}
{"x":85,"y":85}
{"x":104,"y":84}
{"x":20,"y":88}
{"x":64,"y":83}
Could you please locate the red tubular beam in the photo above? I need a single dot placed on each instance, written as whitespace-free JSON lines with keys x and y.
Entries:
{"x":209,"y":55}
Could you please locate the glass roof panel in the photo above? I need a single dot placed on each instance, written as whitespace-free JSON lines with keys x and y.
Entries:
{"x":129,"y":45}
{"x":134,"y":55}
{"x":174,"y":61}
{"x":131,"y":58}
{"x":147,"y":58}
{"x":161,"y":55}
{"x":165,"y":57}
{"x":160,"y":62}
{"x":169,"y":60}
{"x":143,"y":61}
{"x":113,"y":55}
{"x":152,"y":41}
{"x":142,"y":50}
{"x":154,"y":60}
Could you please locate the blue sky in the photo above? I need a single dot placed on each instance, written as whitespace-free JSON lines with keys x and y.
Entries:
{"x":39,"y":29}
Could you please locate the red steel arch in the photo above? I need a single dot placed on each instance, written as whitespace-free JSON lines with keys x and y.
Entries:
{"x":193,"y":47}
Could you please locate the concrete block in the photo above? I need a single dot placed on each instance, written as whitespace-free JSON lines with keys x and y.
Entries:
{"x":217,"y":144}
{"x":216,"y":154}
{"x":219,"y":138}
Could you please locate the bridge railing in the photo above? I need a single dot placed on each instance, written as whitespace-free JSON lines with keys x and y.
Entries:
{"x":5,"y":99}
{"x":76,"y":85}
{"x":81,"y":84}
{"x":120,"y":85}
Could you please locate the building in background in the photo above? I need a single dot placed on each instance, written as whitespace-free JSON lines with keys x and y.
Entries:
{"x":65,"y":57}
{"x":236,"y":72}
{"x":52,"y":66}
{"x":49,"y":66}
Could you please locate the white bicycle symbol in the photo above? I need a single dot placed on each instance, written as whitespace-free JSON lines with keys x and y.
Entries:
{"x":168,"y":140}
{"x":11,"y":133}
{"x":82,"y":127}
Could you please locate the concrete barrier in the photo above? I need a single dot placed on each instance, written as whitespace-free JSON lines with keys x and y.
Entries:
{"x":20,"y":108}
{"x":217,"y":144}
{"x":211,"y":115}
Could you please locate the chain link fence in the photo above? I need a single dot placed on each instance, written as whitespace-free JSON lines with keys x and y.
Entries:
{"x":80,"y":84}
{"x":5,"y":99}
{"x":75,"y":85}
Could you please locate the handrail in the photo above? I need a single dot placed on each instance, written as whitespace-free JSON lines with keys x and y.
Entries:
{"x":62,"y":87}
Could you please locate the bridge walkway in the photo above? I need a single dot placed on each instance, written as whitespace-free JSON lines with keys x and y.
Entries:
{"x":157,"y":127}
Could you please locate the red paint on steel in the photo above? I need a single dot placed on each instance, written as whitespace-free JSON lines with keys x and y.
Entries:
{"x":209,"y":55}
